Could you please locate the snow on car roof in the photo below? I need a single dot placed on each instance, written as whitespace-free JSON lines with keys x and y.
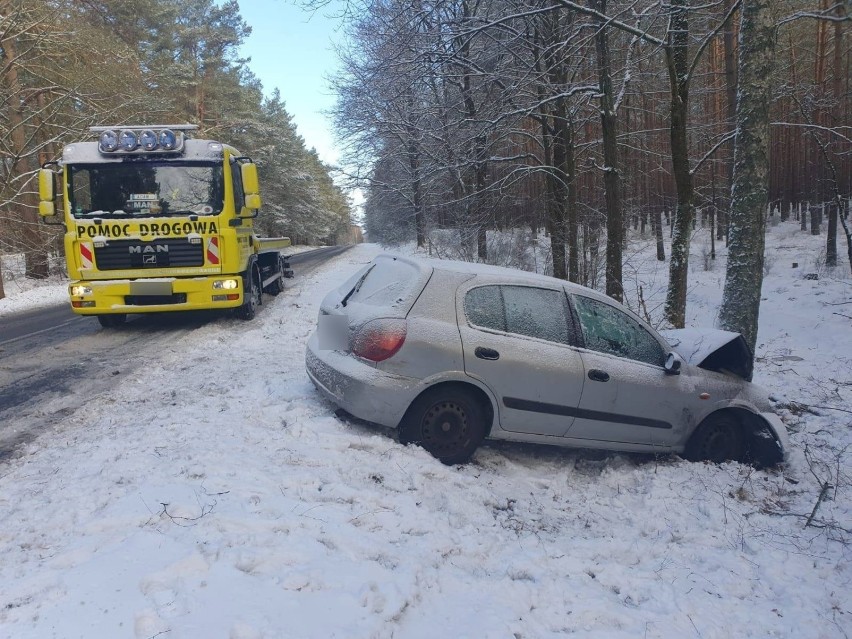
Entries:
{"x":480,"y":269}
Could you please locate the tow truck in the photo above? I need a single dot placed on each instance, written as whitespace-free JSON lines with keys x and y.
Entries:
{"x":157,"y":221}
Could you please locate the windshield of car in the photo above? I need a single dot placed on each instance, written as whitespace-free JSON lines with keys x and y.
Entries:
{"x":136,"y":189}
{"x":608,"y":330}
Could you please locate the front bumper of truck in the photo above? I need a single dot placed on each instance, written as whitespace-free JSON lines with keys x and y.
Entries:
{"x":156,"y":295}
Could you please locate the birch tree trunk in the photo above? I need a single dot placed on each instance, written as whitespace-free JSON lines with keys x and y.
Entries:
{"x":744,"y":276}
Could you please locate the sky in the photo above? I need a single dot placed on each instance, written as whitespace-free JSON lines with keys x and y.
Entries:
{"x":291,"y":49}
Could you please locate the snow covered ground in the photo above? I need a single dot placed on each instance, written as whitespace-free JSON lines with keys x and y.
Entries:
{"x":24,"y":294}
{"x":216,"y":496}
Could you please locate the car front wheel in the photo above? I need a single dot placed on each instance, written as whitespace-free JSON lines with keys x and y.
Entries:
{"x":719,"y":438}
{"x":447,"y":422}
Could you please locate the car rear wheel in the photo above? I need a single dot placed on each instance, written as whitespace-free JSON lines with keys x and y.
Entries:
{"x":447,"y":422}
{"x":113,"y":320}
{"x":719,"y":438}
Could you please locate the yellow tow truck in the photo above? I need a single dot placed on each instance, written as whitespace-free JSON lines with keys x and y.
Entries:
{"x":157,"y":221}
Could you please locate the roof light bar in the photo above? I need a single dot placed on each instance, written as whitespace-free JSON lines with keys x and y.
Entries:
{"x":173,"y":127}
{"x":157,"y":138}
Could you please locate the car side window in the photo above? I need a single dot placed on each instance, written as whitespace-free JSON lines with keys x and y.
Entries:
{"x":536,"y":312}
{"x":608,"y":330}
{"x":484,"y":307}
{"x":523,"y":310}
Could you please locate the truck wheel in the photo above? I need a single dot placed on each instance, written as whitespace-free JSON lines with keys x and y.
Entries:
{"x":252,"y":297}
{"x":278,"y":285}
{"x":112,"y":321}
{"x":275,"y":288}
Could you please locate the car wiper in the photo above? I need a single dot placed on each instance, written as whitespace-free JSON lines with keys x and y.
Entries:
{"x":357,"y":286}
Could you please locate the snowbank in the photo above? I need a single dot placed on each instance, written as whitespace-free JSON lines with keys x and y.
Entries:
{"x":218,"y":496}
{"x":24,"y":294}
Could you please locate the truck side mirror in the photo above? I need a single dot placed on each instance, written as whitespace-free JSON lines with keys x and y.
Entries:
{"x":251,"y":185}
{"x":46,"y":193}
{"x":252,"y":201}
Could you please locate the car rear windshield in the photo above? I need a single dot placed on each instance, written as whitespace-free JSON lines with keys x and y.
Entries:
{"x":387,"y":282}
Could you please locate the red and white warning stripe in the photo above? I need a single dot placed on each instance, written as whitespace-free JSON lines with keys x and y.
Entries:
{"x":86,"y":255}
{"x":213,"y":250}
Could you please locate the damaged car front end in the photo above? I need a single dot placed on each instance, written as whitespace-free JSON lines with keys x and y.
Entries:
{"x":727,"y":353}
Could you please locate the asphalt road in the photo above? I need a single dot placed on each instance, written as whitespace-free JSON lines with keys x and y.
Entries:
{"x":52,"y":360}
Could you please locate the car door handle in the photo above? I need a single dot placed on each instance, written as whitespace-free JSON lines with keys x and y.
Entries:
{"x":598,"y":375}
{"x":486,"y":353}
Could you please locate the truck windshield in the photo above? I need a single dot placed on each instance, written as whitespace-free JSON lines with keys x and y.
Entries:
{"x":136,"y":189}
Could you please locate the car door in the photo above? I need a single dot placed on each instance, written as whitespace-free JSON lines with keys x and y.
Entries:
{"x":627,"y":397}
{"x":517,"y":341}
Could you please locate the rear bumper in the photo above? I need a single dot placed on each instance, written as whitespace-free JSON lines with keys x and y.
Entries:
{"x":358,"y":388}
{"x":155,"y":295}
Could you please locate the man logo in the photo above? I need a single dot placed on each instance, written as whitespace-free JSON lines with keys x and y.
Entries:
{"x":149,"y":259}
{"x":146,"y":249}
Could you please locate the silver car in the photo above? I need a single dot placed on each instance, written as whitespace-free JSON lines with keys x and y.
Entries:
{"x":451,"y":353}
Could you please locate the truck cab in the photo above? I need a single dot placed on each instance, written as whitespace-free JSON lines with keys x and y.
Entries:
{"x":156,"y":221}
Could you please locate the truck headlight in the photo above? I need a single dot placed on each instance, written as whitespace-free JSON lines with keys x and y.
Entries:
{"x":81,"y":290}
{"x":225,"y":284}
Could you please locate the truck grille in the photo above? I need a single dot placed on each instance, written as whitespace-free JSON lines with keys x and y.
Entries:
{"x":124,"y":254}
{"x":154,"y":300}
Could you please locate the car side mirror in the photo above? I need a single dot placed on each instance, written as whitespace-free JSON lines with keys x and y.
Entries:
{"x":673,"y":364}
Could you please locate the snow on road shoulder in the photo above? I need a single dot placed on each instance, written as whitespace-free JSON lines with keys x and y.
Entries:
{"x":22,"y":293}
{"x":214,"y":495}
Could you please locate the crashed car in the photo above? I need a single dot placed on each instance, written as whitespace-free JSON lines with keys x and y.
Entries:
{"x":451,"y":353}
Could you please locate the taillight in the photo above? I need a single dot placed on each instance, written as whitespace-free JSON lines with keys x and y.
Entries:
{"x":379,"y":339}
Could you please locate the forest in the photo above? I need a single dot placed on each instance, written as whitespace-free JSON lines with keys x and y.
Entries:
{"x":66,"y":65}
{"x":585,"y":119}
{"x":579,"y":121}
